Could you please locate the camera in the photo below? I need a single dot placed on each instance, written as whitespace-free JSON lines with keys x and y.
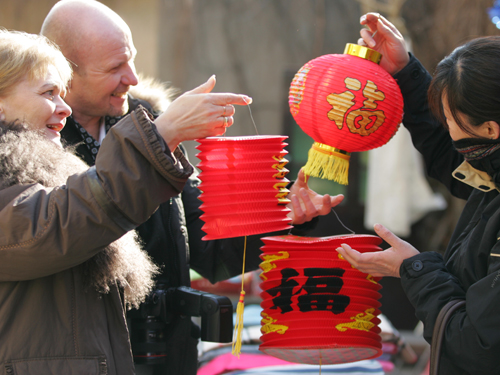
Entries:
{"x":148,"y":325}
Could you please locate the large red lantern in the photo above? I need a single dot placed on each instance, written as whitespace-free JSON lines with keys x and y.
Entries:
{"x":317,"y":308}
{"x":346,"y":103}
{"x":243,"y":185}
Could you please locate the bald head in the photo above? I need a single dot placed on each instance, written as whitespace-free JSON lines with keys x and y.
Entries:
{"x":76,"y":25}
{"x":99,"y":43}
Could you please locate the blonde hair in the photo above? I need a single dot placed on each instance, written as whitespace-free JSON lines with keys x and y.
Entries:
{"x":24,"y":55}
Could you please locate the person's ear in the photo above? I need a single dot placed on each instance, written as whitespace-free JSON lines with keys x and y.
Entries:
{"x":491,"y":129}
{"x":2,"y":115}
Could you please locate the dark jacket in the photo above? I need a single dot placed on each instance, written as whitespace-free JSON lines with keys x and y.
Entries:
{"x":56,"y":216}
{"x":173,"y":237}
{"x":470,"y":268}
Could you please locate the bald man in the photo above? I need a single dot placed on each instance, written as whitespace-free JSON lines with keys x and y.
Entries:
{"x":99,"y":43}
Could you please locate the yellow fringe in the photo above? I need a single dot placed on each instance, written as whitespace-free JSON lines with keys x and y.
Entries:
{"x":238,"y":326}
{"x":327,"y":163}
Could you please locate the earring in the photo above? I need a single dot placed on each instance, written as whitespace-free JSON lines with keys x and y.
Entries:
{"x":2,"y":116}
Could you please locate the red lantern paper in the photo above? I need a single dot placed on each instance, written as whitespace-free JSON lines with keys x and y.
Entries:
{"x":346,"y":103}
{"x":243,"y":185}
{"x":317,"y":308}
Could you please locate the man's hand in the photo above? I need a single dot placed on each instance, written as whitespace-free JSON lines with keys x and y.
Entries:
{"x":306,"y":204}
{"x":198,"y":114}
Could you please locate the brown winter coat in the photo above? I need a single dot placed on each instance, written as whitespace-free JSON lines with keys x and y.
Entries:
{"x":54,"y":235}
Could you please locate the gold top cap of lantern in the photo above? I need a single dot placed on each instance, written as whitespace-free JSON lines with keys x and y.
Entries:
{"x":363,"y":52}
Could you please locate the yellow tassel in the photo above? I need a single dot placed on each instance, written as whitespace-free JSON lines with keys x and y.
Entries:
{"x":238,"y":326}
{"x":328,"y":162}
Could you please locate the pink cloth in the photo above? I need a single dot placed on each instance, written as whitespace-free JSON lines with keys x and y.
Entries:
{"x":228,"y":362}
{"x":387,"y":366}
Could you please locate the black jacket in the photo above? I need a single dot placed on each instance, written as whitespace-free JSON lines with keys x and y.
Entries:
{"x":470,"y":268}
{"x":173,"y":237}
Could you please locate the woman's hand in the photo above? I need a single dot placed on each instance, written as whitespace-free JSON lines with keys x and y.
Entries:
{"x":198,"y":114}
{"x":306,"y":204}
{"x":381,"y":263}
{"x":383,"y":37}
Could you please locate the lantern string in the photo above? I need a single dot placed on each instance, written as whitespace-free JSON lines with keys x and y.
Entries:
{"x":254,"y":126}
{"x":238,"y":327}
{"x":341,"y":223}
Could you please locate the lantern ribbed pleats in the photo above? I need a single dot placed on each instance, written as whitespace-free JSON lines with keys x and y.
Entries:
{"x":347,"y":103}
{"x":243,"y":185}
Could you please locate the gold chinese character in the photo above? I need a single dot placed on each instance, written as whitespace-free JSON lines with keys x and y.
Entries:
{"x":343,"y":102}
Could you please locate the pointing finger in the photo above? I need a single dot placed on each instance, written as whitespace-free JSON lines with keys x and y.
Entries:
{"x":229,"y":98}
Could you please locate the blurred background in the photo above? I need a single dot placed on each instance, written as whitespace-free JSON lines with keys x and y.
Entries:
{"x":256,"y":46}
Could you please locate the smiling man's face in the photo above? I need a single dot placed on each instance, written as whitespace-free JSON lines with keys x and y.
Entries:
{"x":100,"y":84}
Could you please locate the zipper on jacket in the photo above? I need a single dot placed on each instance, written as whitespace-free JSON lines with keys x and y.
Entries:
{"x":103,"y":366}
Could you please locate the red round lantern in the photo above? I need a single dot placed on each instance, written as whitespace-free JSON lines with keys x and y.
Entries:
{"x":346,"y":103}
{"x":243,"y":185}
{"x":317,"y":308}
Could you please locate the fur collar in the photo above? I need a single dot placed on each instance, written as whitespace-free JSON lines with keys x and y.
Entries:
{"x":158,"y":94}
{"x":28,"y":157}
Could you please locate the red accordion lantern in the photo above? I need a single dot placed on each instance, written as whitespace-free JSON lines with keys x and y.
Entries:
{"x":243,"y":185}
{"x":317,"y":308}
{"x":346,"y":103}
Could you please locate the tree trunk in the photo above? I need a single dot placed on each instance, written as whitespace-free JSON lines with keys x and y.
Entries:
{"x":437,"y":27}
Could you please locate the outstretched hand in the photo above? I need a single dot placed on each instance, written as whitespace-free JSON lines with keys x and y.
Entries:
{"x":306,"y":204}
{"x":198,"y":114}
{"x":385,"y":38}
{"x":381,"y":263}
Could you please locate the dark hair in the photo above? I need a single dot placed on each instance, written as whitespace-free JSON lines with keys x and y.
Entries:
{"x":469,"y":78}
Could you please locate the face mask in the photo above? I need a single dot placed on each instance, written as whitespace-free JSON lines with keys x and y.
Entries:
{"x":478,"y":151}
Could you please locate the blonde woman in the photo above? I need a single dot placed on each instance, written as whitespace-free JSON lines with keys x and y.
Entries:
{"x":68,"y":261}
